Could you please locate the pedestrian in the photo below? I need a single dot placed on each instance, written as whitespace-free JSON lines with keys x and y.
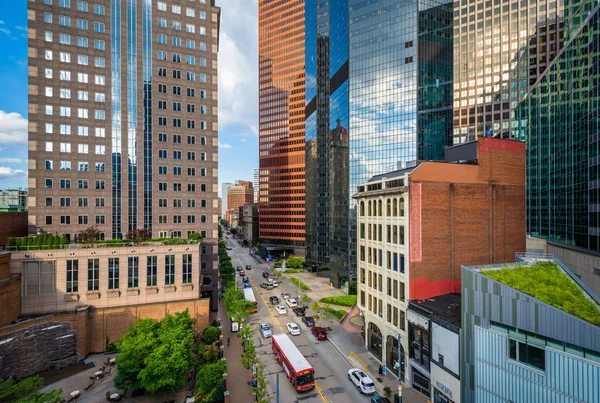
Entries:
{"x":380,"y":370}
{"x":228,"y":340}
{"x":383,"y":370}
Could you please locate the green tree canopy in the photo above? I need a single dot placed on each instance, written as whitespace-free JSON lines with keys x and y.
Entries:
{"x":155,"y":355}
{"x":210,"y":375}
{"x":27,"y":390}
{"x":211,"y":334}
{"x":294,"y":262}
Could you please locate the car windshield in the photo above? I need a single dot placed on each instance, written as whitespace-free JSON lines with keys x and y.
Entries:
{"x":305,"y":378}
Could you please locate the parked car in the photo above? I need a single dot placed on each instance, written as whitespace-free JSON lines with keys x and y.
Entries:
{"x":281,"y":309}
{"x":293,"y":328}
{"x":285,"y":295}
{"x":245,"y":279}
{"x":291,"y":303}
{"x":266,"y":274}
{"x":319,"y":333}
{"x":228,"y":248}
{"x":247,"y":285}
{"x":361,"y":381}
{"x":380,"y":399}
{"x":274,"y":300}
{"x":299,"y":311}
{"x":265,"y":330}
{"x":266,"y":286}
{"x":308,"y":321}
{"x":248,"y":267}
{"x":242,"y":273}
{"x":239,"y":268}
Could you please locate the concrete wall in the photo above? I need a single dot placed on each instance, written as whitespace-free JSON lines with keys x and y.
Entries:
{"x":57,"y":340}
{"x":585,"y":265}
{"x":10,"y":292}
{"x":12,"y":225}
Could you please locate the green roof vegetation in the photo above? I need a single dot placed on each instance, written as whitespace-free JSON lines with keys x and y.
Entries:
{"x":548,"y":283}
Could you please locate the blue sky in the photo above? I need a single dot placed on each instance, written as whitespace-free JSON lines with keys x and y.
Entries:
{"x":238,"y":92}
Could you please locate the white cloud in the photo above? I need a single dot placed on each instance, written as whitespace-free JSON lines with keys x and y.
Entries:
{"x":243,"y":140}
{"x":11,"y":160}
{"x":21,"y":28}
{"x":5,"y":30}
{"x":13,"y":128}
{"x":224,"y":145}
{"x":238,"y":68}
{"x":6,"y":172}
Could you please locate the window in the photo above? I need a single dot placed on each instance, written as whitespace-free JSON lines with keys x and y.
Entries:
{"x":48,"y":220}
{"x":93,"y":274}
{"x":187,"y":269}
{"x":82,"y":202}
{"x":82,"y":42}
{"x":162,"y":137}
{"x":176,"y":57}
{"x":82,"y":220}
{"x":191,"y":139}
{"x":99,"y":62}
{"x":162,"y":22}
{"x":65,"y":57}
{"x":190,"y":76}
{"x":162,"y":55}
{"x":113,"y":273}
{"x":176,"y":9}
{"x":49,"y":110}
{"x":99,"y":45}
{"x":202,"y":30}
{"x":100,"y":97}
{"x":65,"y":93}
{"x":161,"y":6}
{"x":100,"y":150}
{"x":190,"y":44}
{"x":527,"y":354}
{"x":98,"y":9}
{"x":191,"y":60}
{"x":190,"y":28}
{"x":49,"y":165}
{"x":100,"y":202}
{"x":82,"y":24}
{"x":65,"y":147}
{"x":151,"y":271}
{"x":48,"y":36}
{"x":99,"y":114}
{"x":162,"y":39}
{"x":191,"y":92}
{"x":99,"y":132}
{"x":133,"y":266}
{"x":38,"y":278}
{"x":100,"y":185}
{"x":49,"y":128}
{"x":64,"y":21}
{"x":81,"y":77}
{"x":82,"y":113}
{"x":202,"y":62}
{"x":65,"y":183}
{"x":176,"y":41}
{"x":202,"y":15}
{"x":82,"y":166}
{"x":98,"y":27}
{"x":65,"y":111}
{"x":190,"y":12}
{"x":100,"y":219}
{"x":176,"y":25}
{"x":65,"y":202}
{"x":82,"y":184}
{"x":82,"y":6}
{"x":48,"y":92}
{"x":65,"y":39}
{"x":169,"y":269}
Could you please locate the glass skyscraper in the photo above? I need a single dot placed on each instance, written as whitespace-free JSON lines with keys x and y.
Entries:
{"x":560,"y":120}
{"x":378,"y":95}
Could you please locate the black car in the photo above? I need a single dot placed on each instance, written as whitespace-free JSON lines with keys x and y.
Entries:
{"x":245,"y":279}
{"x":248,"y":267}
{"x":266,"y":274}
{"x":299,"y":311}
{"x":239,"y":268}
{"x":308,"y":321}
{"x":274,"y":300}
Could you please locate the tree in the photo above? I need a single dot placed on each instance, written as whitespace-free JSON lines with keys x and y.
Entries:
{"x":220,"y":232}
{"x":294,"y":262}
{"x":138,"y":235}
{"x":155,"y":355}
{"x":233,"y":231}
{"x":27,"y":390}
{"x":315,"y":306}
{"x":195,"y":236}
{"x":262,"y":384}
{"x":210,"y":375}
{"x":89,"y":235}
{"x":64,"y":240}
{"x":249,"y":355}
{"x":305,"y":298}
{"x":235,"y":304}
{"x":211,"y":334}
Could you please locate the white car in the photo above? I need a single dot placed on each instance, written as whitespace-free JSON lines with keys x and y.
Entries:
{"x":361,"y":381}
{"x":272,"y":281}
{"x":285,"y":295}
{"x":281,"y":309}
{"x":293,"y":328}
{"x":291,"y":302}
{"x":265,"y":330}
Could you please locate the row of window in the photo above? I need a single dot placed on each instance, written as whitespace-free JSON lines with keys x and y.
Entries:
{"x":394,"y":288}
{"x":177,"y":122}
{"x":177,"y":171}
{"x":177,"y":203}
{"x":176,"y":106}
{"x":395,"y":316}
{"x":175,"y":25}
{"x":82,"y":166}
{"x":394,"y":233}
{"x":82,"y":113}
{"x":101,"y":219}
{"x":177,"y":139}
{"x":81,"y":148}
{"x":375,"y":256}
{"x":81,"y":6}
{"x":176,"y":9}
{"x":375,"y":208}
{"x":65,"y":75}
{"x":81,"y":220}
{"x":101,"y":202}
{"x":101,"y":185}
{"x":177,"y":41}
{"x":65,"y":93}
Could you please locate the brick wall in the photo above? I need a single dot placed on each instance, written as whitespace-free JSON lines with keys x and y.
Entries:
{"x":477,"y":217}
{"x":13,"y":225}
{"x":10,"y":292}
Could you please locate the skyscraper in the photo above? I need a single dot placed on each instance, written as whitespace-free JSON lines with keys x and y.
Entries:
{"x":123,"y":116}
{"x":281,"y":123}
{"x":559,"y":119}
{"x":256,"y":184}
{"x":237,"y":196}
{"x":500,"y":50}
{"x":224,"y":187}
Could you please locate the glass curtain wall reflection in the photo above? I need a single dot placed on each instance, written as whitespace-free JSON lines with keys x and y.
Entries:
{"x":400,"y":89}
{"x":147,"y":77}
{"x":117,"y":185}
{"x":560,"y":120}
{"x":132,"y":114}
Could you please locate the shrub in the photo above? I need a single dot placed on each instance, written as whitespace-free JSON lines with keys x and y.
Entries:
{"x":338,"y":313}
{"x":293,"y":271}
{"x":294,"y":262}
{"x":299,"y":283}
{"x":211,"y":334}
{"x":342,"y":300}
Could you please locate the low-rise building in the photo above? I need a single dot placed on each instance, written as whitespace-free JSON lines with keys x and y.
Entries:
{"x":418,"y":225}
{"x":530,"y":333}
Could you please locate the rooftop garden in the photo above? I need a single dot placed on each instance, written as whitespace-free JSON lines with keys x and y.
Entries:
{"x":90,"y":238}
{"x":547,"y":282}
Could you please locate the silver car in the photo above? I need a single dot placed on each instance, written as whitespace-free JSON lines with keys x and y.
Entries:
{"x":265,"y":330}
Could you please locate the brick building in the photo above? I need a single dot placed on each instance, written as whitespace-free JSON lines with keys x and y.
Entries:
{"x":418,"y":225}
{"x":237,"y":196}
{"x":10,"y":291}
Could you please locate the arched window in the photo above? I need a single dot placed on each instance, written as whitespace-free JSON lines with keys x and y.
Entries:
{"x":380,"y":212}
{"x":370,"y":211}
{"x":401,"y":207}
{"x":389,"y":208}
{"x":395,"y":207}
{"x":362,"y":208}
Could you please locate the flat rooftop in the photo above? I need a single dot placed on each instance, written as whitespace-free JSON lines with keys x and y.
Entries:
{"x":546,"y":281}
{"x":444,"y":307}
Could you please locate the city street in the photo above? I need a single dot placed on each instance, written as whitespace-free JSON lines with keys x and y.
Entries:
{"x":330,"y":366}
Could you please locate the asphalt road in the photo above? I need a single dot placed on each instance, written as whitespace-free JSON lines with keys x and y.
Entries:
{"x":331,"y":368}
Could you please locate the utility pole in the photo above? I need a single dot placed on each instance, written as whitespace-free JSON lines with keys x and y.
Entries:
{"x":277,"y":388}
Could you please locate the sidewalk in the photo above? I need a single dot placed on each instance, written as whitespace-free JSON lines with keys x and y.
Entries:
{"x":237,"y":376}
{"x":346,"y":338}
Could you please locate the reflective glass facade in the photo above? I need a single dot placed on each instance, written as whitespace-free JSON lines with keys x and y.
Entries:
{"x":281,"y":122}
{"x":147,"y":120}
{"x":400,"y":89}
{"x":501,"y":47}
{"x":116,"y":182}
{"x":560,"y":120}
{"x":327,"y":241}
{"x":132,"y":105}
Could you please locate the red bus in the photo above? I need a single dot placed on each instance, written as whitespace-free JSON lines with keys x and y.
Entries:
{"x":297,"y":369}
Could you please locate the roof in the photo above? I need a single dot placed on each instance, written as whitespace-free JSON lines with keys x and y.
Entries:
{"x":444,"y":307}
{"x":393,"y":174}
{"x":547,"y":281}
{"x":291,"y":352}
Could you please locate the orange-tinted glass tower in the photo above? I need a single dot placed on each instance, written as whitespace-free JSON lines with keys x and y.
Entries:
{"x":281,"y":122}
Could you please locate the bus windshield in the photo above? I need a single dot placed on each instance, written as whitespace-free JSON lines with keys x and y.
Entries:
{"x":305,"y":378}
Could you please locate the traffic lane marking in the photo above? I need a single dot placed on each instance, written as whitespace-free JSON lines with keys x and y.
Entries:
{"x":266,"y":305}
